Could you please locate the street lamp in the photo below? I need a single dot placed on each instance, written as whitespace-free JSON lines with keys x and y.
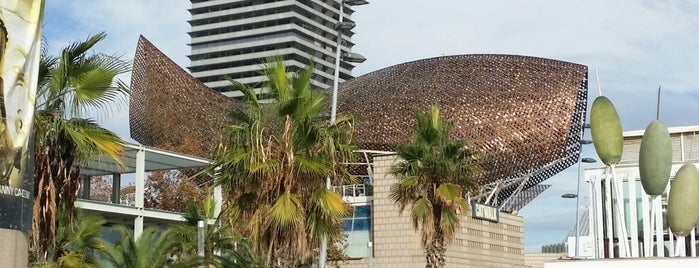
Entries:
{"x":353,"y":57}
{"x":588,"y":160}
{"x":577,"y":195}
{"x":341,"y":26}
{"x":569,"y":195}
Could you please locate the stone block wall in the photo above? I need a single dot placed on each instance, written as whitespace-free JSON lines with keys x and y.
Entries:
{"x":396,"y":244}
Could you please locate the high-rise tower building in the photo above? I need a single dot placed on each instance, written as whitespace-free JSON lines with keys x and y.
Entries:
{"x":233,"y":37}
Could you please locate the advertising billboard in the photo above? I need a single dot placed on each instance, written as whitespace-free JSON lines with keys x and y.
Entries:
{"x":20,"y":42}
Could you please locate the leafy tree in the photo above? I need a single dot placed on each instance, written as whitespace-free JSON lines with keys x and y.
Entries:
{"x":173,"y":189}
{"x":70,"y":84}
{"x":274,"y":162}
{"x":434,"y":176}
{"x":101,"y":188}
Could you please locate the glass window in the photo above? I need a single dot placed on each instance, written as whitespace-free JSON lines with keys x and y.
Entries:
{"x":362,"y":211}
{"x":358,"y":228}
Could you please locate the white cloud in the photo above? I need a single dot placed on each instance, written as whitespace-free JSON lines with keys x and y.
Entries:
{"x":630,"y":35}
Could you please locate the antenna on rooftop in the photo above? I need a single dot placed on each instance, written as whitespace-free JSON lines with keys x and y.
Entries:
{"x":657,"y":107}
{"x":599,"y":87}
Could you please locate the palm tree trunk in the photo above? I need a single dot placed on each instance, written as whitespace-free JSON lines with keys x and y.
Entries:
{"x":284,"y":258}
{"x":56,"y":185}
{"x":435,"y":250}
{"x":44,"y":210}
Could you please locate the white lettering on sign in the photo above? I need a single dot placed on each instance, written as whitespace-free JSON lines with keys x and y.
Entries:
{"x":484,"y":212}
{"x":12,"y":191}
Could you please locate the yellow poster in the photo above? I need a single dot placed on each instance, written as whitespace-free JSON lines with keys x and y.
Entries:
{"x":20,"y":41}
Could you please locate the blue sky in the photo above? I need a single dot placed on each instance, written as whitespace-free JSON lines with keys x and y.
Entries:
{"x":634,"y":44}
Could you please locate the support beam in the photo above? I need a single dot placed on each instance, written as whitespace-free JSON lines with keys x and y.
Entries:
{"x":85,"y":187}
{"x":218,"y":201}
{"x":140,"y":191}
{"x":116,"y":188}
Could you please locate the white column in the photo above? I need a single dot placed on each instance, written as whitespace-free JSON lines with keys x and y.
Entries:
{"x":621,"y":215}
{"x":598,"y":218}
{"x":660,"y":241}
{"x":671,"y":247}
{"x":591,"y":217}
{"x":633,"y":217}
{"x":693,"y":242}
{"x":218,"y":200}
{"x":647,"y":232}
{"x":608,"y":210}
{"x":140,"y":192}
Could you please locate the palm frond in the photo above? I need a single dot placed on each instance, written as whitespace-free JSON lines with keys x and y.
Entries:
{"x":449,"y":223}
{"x":287,"y":212}
{"x":79,"y":49}
{"x":91,"y":139}
{"x":328,"y":207}
{"x":277,"y":78}
{"x":421,"y":213}
{"x":448,"y":193}
{"x":249,"y":93}
{"x":312,"y":165}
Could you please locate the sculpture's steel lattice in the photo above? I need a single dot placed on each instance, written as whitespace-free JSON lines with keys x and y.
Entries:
{"x":524,"y":114}
{"x":169,"y":106}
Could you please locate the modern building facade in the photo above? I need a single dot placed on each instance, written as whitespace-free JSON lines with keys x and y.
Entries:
{"x":138,"y":161}
{"x":393,"y":242}
{"x":233,"y":37}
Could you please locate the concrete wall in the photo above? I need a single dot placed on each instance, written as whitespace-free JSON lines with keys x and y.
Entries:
{"x":537,"y":260}
{"x":626,"y":263}
{"x":396,"y":244}
{"x":14,"y":248}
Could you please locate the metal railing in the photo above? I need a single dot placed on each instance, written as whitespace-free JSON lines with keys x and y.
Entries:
{"x":354,"y":190}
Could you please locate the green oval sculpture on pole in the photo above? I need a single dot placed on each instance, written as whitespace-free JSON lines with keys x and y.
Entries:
{"x":655,"y":158}
{"x":605,"y":127}
{"x":682,"y":203}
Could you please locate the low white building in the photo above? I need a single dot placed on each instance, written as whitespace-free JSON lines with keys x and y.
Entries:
{"x":138,"y":161}
{"x":621,"y":202}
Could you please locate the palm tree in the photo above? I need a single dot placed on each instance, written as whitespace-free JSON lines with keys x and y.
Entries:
{"x":70,"y":85}
{"x":151,"y":249}
{"x":223,"y":246}
{"x":76,"y":241}
{"x":434,"y":176}
{"x":274,"y":162}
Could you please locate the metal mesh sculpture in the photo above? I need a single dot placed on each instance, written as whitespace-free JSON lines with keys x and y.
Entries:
{"x":168,"y":105}
{"x":523,"y":114}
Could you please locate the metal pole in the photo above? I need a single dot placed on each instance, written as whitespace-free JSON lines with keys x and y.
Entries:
{"x":200,"y":239}
{"x":577,"y":199}
{"x":336,"y":77}
{"x":323,"y":258}
{"x":657,"y":107}
{"x":577,"y":209}
{"x":370,"y":249}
